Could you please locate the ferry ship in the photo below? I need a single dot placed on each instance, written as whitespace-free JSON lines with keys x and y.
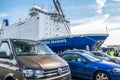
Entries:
{"x":52,"y":28}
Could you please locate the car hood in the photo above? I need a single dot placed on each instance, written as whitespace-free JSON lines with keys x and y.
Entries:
{"x":116,"y":59}
{"x":113,"y":57}
{"x":103,"y":58}
{"x":41,"y":61}
{"x":105,"y":65}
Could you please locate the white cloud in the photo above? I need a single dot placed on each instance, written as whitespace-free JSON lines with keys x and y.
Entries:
{"x":3,"y":15}
{"x":16,"y":14}
{"x":101,"y":4}
{"x":116,"y":0}
{"x":97,"y":25}
{"x":90,"y":25}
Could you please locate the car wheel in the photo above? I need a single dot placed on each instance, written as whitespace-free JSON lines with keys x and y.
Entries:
{"x":100,"y":75}
{"x":9,"y":78}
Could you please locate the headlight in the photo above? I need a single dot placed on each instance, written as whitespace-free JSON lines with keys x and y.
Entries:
{"x":29,"y":73}
{"x":39,"y":73}
{"x":116,"y":70}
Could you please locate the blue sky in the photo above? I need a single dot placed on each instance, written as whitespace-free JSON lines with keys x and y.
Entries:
{"x":86,"y":16}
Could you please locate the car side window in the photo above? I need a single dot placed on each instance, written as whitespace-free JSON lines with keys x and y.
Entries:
{"x":69,"y":57}
{"x":80,"y":59}
{"x":97,"y":54}
{"x":4,"y":47}
{"x":100,"y":54}
{"x":104,"y":55}
{"x":72,"y":57}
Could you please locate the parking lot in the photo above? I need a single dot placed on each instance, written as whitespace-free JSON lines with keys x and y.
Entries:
{"x":75,"y":78}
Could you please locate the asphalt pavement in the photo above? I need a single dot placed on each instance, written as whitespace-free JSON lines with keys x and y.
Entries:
{"x":75,"y":78}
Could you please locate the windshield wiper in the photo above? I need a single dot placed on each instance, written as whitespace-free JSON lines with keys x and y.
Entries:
{"x":26,"y":54}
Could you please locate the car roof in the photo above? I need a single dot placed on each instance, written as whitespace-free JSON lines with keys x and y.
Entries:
{"x":15,"y":39}
{"x":97,"y":52}
{"x":76,"y":50}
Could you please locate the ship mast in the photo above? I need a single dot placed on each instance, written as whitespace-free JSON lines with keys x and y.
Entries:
{"x":61,"y":14}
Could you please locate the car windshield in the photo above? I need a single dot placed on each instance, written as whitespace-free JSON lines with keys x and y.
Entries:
{"x":29,"y":47}
{"x":90,"y":57}
{"x":101,"y":54}
{"x":105,"y":54}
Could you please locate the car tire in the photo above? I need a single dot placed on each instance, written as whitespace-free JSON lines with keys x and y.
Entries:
{"x":101,"y":75}
{"x":9,"y":78}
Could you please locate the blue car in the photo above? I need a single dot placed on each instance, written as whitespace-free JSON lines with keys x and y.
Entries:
{"x":86,"y":66}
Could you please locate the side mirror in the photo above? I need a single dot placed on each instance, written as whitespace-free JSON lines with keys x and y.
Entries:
{"x":3,"y":54}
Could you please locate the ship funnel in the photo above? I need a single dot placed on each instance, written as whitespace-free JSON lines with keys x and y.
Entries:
{"x":5,"y":23}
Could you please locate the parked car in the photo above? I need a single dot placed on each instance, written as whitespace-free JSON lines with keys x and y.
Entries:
{"x":103,"y":54}
{"x":86,"y":66}
{"x":88,"y":52}
{"x":22,"y":59}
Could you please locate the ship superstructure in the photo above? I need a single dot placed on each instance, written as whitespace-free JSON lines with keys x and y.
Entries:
{"x":51,"y":28}
{"x":40,"y":25}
